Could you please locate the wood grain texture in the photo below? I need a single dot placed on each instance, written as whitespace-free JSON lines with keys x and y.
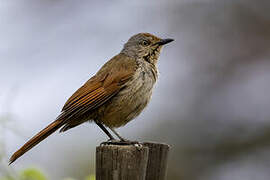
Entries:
{"x":121,"y":162}
{"x":157,"y":160}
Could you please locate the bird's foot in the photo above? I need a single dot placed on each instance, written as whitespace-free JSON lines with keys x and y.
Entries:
{"x":128,"y":142}
{"x":109,"y":141}
{"x":120,"y":142}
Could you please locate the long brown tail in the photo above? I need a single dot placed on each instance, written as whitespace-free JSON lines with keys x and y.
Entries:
{"x":51,"y":128}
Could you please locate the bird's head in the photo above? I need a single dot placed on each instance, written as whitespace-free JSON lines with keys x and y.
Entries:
{"x":145,"y":46}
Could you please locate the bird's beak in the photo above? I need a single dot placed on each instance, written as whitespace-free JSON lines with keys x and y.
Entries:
{"x":164,"y":41}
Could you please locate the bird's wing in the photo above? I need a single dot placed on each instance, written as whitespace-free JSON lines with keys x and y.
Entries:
{"x":100,"y":88}
{"x":96,"y":91}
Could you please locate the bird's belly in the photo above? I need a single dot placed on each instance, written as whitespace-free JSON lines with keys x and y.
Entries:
{"x":128,"y":103}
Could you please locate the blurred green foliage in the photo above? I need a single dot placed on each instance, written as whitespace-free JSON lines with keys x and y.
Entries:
{"x":90,"y":177}
{"x":32,"y":174}
{"x":27,"y":174}
{"x":36,"y":174}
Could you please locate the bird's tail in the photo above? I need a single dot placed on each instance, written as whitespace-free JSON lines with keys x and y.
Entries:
{"x":51,"y":128}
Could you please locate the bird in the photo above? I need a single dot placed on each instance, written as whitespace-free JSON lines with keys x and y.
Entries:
{"x":115,"y":95}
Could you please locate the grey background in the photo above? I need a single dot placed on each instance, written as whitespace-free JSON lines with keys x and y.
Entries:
{"x":211,"y":102}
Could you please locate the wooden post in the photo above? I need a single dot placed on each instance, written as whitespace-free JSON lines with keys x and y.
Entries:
{"x":157,"y":161}
{"x":121,"y":162}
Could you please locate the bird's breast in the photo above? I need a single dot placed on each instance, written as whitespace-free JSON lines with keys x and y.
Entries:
{"x":131,"y":100}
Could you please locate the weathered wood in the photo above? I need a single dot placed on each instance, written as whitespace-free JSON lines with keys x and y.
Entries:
{"x":121,"y":162}
{"x":157,"y":161}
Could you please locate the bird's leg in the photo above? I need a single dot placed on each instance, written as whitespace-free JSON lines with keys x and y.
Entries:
{"x":116,"y":133}
{"x":123,"y":141}
{"x":106,"y":131}
{"x":112,"y":140}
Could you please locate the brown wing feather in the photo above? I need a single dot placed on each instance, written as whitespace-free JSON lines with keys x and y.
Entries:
{"x":90,"y":86}
{"x":97,"y":90}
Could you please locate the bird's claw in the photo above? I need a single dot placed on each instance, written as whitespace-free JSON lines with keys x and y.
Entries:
{"x":120,"y":142}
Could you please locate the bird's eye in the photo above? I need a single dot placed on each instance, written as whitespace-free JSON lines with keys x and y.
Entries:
{"x":145,"y":43}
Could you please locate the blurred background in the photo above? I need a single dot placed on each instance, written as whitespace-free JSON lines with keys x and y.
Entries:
{"x":211,"y":103}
